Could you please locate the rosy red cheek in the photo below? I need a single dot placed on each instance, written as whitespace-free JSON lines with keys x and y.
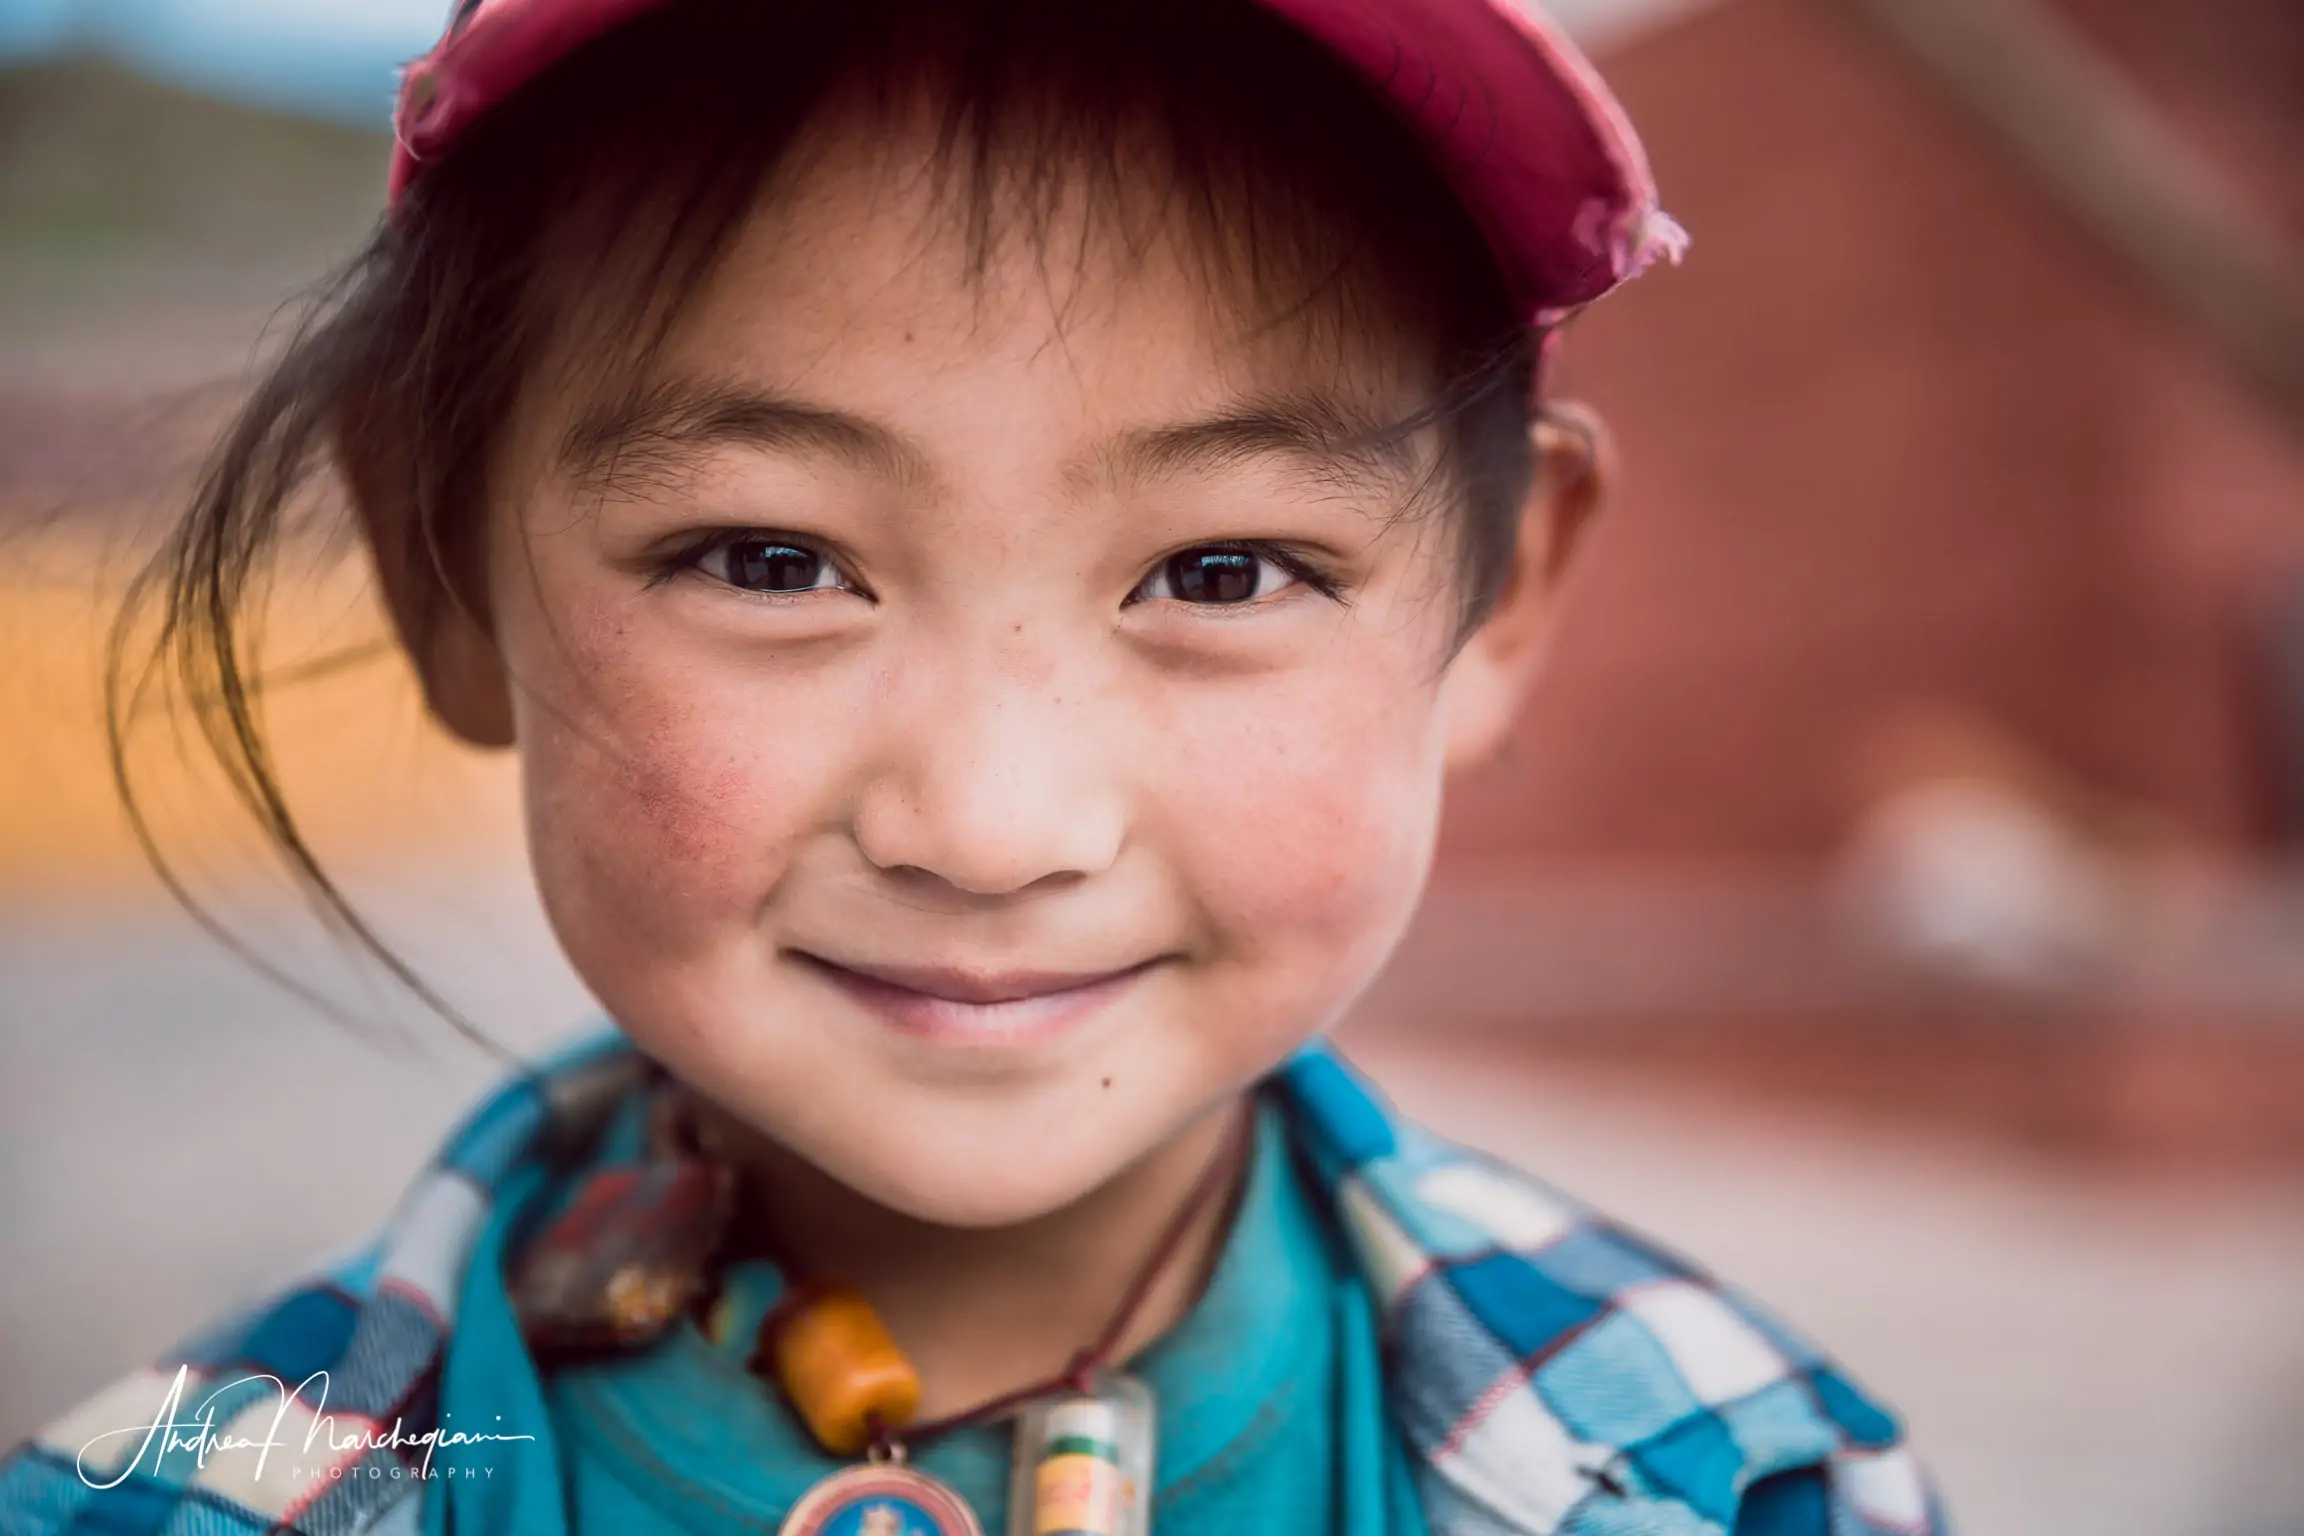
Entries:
{"x":687,"y":817}
{"x":1303,"y":828}
{"x":1320,"y":874}
{"x":658,"y":811}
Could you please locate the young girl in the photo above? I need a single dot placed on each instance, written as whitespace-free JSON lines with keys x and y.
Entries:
{"x":986,"y":523}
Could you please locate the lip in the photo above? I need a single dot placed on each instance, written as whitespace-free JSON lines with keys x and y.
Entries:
{"x":947,"y":1005}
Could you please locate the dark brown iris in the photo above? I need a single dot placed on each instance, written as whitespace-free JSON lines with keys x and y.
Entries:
{"x":763,"y":565}
{"x":1212,"y":575}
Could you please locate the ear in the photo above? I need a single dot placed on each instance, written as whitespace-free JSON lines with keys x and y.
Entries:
{"x":445,"y":639}
{"x":1491,"y":673}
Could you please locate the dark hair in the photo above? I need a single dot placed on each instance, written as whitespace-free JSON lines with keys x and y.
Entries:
{"x":603,"y":193}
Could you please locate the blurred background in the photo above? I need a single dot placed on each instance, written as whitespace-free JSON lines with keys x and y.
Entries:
{"x":1893,"y":897}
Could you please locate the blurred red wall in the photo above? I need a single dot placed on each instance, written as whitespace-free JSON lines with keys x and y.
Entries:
{"x":1898,"y":432}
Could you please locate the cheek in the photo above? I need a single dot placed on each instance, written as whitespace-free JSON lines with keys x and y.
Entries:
{"x":1308,"y":828}
{"x":660,"y":807}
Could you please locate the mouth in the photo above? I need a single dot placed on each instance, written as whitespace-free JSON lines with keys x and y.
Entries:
{"x":954,"y":1006}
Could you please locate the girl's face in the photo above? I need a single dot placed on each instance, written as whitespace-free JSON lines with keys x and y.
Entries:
{"x":974,"y":724}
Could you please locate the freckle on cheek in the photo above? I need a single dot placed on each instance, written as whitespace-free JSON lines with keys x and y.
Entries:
{"x":691,"y":822}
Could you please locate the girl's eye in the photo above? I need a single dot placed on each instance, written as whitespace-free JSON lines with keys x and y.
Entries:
{"x":757,"y":563}
{"x":1217,"y":574}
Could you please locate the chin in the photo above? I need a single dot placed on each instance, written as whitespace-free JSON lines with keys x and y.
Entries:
{"x":997,"y":1181}
{"x":1003,"y":1156}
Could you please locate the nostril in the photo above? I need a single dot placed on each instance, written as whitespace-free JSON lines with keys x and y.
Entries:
{"x":982,"y":886}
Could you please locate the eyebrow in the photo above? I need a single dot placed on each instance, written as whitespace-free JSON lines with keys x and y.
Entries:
{"x":1311,"y":429}
{"x":648,"y":432}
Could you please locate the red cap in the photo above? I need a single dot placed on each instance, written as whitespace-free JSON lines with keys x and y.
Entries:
{"x":1524,"y":130}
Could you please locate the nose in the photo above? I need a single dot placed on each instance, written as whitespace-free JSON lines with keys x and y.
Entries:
{"x":997,"y":784}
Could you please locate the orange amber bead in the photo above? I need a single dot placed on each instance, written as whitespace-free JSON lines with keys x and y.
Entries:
{"x":840,"y":1368}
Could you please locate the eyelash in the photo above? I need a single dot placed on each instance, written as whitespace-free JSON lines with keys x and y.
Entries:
{"x":691,"y":557}
{"x":1299,"y":567}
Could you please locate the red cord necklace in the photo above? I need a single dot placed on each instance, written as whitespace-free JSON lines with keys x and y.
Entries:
{"x":1212,"y":1183}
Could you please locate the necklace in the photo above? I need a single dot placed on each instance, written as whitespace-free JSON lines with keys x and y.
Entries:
{"x":637,"y":1248}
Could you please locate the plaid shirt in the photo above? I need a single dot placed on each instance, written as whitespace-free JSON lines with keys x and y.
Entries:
{"x":1552,"y":1374}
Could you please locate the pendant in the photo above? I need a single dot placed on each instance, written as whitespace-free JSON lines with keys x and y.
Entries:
{"x":629,"y":1255}
{"x":881,"y":1498}
{"x":1084,"y":1462}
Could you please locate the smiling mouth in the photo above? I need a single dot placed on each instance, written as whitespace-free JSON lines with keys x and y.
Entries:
{"x":948,"y":1005}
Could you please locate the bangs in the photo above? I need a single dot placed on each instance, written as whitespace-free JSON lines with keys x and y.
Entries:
{"x":608,"y":187}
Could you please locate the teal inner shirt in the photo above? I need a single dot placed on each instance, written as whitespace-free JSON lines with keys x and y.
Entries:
{"x":1271,"y":1407}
